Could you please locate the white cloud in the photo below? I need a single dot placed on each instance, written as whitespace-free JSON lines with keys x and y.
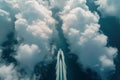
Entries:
{"x":70,"y":5}
{"x":29,"y":56}
{"x":34,"y":25}
{"x":109,"y":7}
{"x":8,"y":73}
{"x":81,"y":29}
{"x":35,"y":28}
{"x":58,"y":3}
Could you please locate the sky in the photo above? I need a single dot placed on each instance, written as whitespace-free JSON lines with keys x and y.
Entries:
{"x":32,"y":32}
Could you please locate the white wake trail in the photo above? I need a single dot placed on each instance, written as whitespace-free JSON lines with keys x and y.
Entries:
{"x":60,"y":66}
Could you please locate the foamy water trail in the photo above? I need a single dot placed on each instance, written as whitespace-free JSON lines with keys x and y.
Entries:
{"x":60,"y":66}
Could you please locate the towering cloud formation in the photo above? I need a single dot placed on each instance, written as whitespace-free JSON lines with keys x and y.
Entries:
{"x":109,"y":7}
{"x":81,"y":29}
{"x":35,"y":29}
{"x":33,"y":24}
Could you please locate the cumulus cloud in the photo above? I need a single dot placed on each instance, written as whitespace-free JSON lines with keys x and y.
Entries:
{"x":8,"y":73}
{"x":29,"y":55}
{"x":81,"y":29}
{"x":58,"y":3}
{"x":34,"y":28}
{"x":109,"y":7}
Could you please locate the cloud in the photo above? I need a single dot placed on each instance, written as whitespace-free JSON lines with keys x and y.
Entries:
{"x":29,"y":55}
{"x":7,"y":73}
{"x":81,"y":29}
{"x":35,"y":29}
{"x":109,"y":7}
{"x":58,"y":3}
